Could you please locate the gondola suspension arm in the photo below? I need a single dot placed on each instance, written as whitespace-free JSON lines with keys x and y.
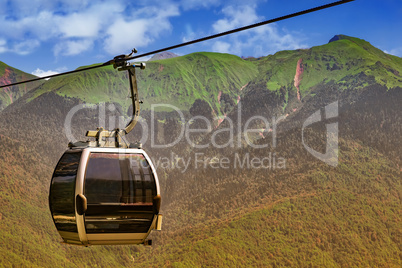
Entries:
{"x":103,"y":136}
{"x":122,"y":65}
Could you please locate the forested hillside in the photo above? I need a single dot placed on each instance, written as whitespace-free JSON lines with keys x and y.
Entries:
{"x":234,"y":204}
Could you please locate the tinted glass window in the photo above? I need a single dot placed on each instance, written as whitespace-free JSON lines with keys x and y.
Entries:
{"x":119,"y":190}
{"x":62,"y":192}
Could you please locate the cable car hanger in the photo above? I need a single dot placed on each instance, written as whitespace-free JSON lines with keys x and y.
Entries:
{"x":106,"y":192}
{"x":292,"y":15}
{"x":103,"y":136}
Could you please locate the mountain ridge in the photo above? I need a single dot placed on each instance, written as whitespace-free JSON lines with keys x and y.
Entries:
{"x":9,"y":75}
{"x":317,"y":64}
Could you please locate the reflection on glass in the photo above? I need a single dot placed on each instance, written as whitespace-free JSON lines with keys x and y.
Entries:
{"x":62,"y":191}
{"x":119,"y":194}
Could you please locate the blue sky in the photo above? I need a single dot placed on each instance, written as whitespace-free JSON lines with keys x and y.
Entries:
{"x":45,"y":36}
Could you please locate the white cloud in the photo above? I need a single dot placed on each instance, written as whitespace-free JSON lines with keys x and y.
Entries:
{"x":77,"y":19}
{"x":3,"y":46}
{"x":41,"y":26}
{"x":74,"y":5}
{"x":79,"y":25}
{"x":123,"y":35}
{"x":41,"y":73}
{"x":71,"y":48}
{"x":197,"y":4}
{"x":256,"y":42}
{"x":143,"y":59}
{"x":236,"y":17}
{"x":20,"y":48}
{"x":189,"y":33}
{"x":23,"y":8}
{"x":207,"y":4}
{"x":261,"y":42}
{"x":395,"y":51}
{"x":221,"y":47}
{"x":74,"y":26}
{"x":89,"y":22}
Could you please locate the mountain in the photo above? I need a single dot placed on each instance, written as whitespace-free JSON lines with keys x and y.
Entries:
{"x":9,"y":75}
{"x":198,"y":75}
{"x":235,"y":204}
{"x":163,"y":56}
{"x":322,"y":217}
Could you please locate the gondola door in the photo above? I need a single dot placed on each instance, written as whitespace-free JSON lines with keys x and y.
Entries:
{"x":119,"y":189}
{"x":65,"y":190}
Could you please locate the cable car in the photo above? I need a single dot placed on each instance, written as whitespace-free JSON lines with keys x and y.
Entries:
{"x":106,"y":192}
{"x":105,"y":196}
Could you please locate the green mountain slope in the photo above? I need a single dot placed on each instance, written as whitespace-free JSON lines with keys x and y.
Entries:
{"x":178,"y":81}
{"x":8,"y":75}
{"x":345,"y":62}
{"x":349,"y":63}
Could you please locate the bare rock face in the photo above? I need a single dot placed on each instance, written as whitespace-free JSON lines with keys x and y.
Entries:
{"x":163,"y":55}
{"x":298,"y":76}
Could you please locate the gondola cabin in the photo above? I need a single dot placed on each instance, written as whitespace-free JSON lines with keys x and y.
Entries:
{"x":102,"y":196}
{"x":106,"y":192}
